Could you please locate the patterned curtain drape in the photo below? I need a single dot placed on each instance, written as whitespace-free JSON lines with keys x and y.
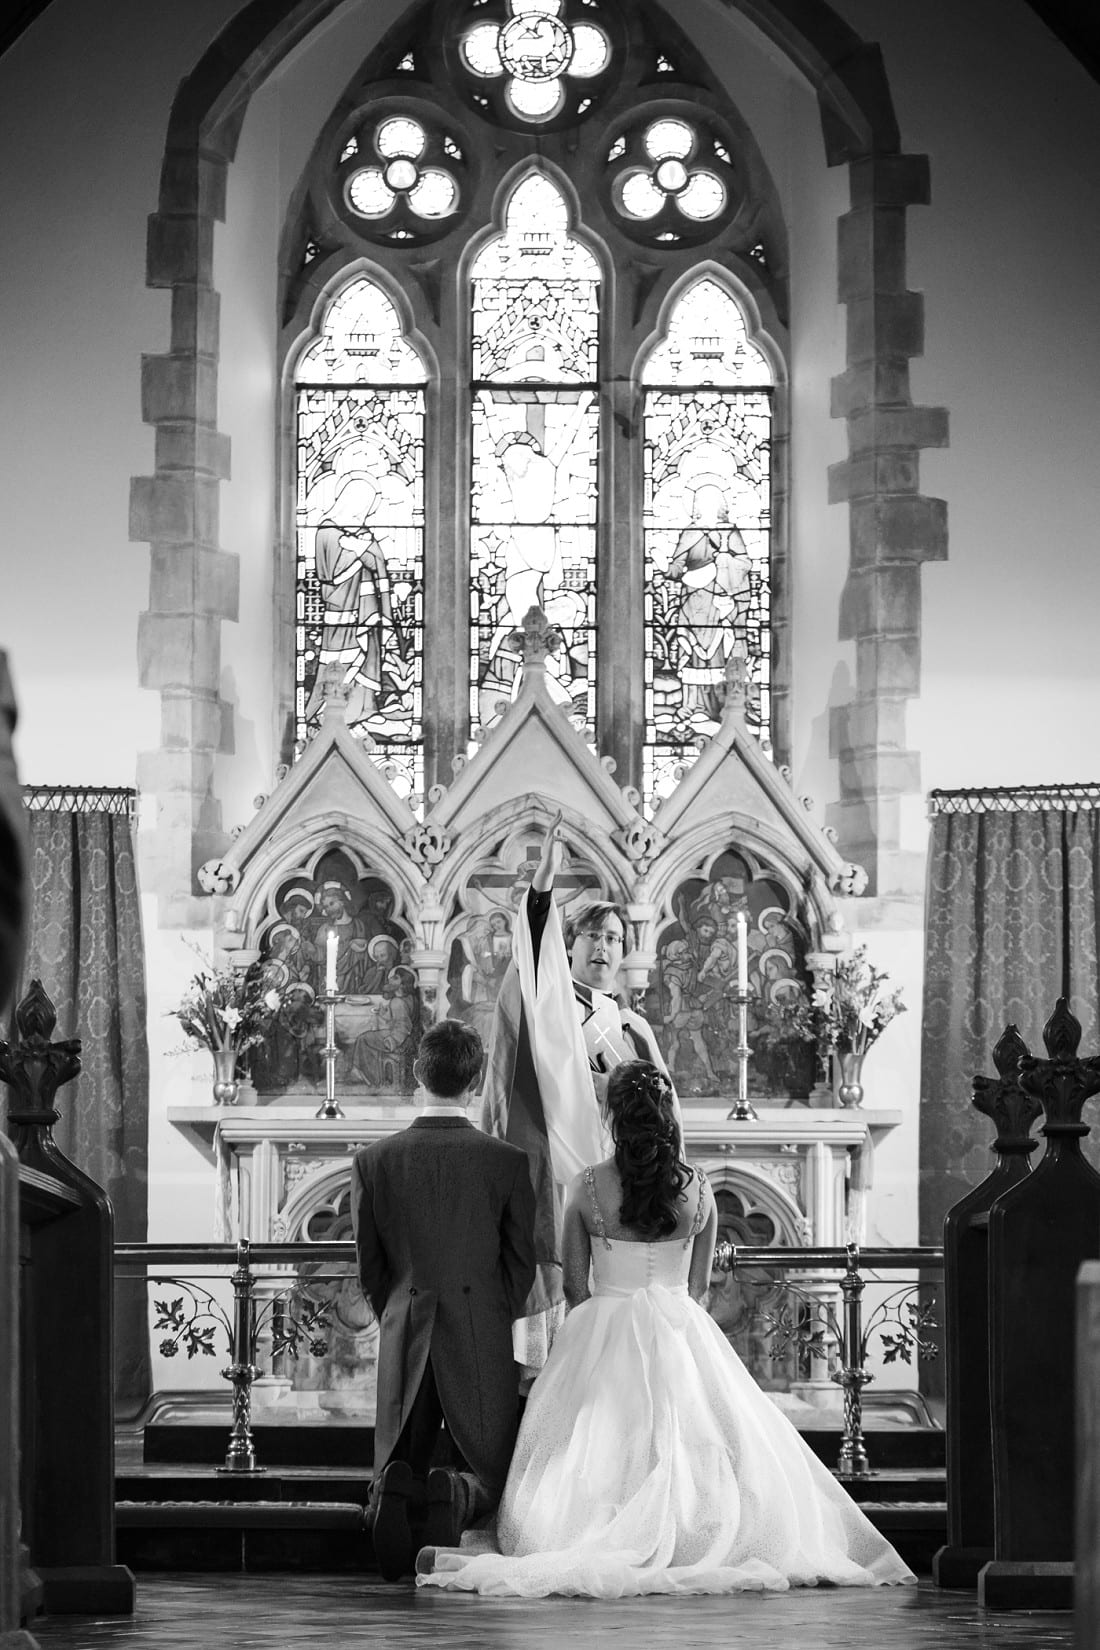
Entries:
{"x":1012,"y":923}
{"x":85,"y":945}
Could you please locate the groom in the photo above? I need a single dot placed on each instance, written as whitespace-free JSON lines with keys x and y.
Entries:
{"x":444,"y":1230}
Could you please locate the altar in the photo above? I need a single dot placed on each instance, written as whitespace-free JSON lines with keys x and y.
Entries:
{"x":367,"y":915}
{"x":794,"y":1176}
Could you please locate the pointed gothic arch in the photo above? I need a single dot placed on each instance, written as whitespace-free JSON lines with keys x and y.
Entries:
{"x":893,"y":528}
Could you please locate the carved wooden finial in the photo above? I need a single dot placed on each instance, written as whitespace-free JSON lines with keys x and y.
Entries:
{"x":1001,"y":1098}
{"x":1062,"y":1083}
{"x":33,"y":1067}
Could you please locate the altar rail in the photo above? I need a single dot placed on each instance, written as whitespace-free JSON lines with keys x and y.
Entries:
{"x":813,"y":1325}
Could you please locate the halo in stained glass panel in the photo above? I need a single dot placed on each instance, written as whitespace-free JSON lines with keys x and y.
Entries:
{"x":639,"y":195}
{"x":401,"y":137}
{"x":368,"y":193}
{"x":536,"y":99}
{"x":591,"y":51}
{"x":435,"y":195}
{"x":669,"y":138}
{"x":704,"y":197}
{"x":706,"y":343}
{"x":401,"y":173}
{"x":671,"y":175}
{"x":535,"y":46}
{"x":481,"y":52}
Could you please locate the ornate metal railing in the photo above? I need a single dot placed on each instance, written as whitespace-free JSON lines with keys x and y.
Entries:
{"x":901,"y":1321}
{"x":290,"y":1319}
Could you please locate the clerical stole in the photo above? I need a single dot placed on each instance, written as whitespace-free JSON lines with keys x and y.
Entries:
{"x":539,"y":1095}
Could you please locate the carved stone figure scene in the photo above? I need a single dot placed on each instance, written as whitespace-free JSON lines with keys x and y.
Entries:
{"x":693,"y":994}
{"x":481,"y":930}
{"x":378,"y":1023}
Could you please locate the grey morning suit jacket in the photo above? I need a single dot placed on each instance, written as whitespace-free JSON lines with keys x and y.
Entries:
{"x":444,"y":1231}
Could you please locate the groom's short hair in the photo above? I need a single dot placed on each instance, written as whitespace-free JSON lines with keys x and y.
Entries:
{"x":449,"y":1058}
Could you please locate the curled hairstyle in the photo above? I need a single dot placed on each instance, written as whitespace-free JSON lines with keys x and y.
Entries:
{"x":449,"y":1058}
{"x":647,"y":1148}
{"x":593,"y":914}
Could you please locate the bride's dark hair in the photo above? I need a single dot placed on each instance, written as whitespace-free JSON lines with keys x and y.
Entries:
{"x":647,"y":1148}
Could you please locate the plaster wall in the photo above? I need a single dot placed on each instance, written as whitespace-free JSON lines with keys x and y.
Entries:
{"x":83,"y":114}
{"x":1006,"y":257}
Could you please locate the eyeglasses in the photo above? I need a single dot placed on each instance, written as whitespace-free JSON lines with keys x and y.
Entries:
{"x":608,"y":935}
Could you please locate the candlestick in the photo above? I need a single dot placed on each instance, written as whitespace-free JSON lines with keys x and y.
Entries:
{"x":742,"y":953}
{"x":743,"y":1111}
{"x":332,"y":945}
{"x":331,"y":1106}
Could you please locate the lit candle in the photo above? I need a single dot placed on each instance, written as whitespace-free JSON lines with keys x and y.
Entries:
{"x":331,"y":947}
{"x":742,"y":953}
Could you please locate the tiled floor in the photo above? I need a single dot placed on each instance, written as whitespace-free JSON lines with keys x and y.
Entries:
{"x":344,"y":1613}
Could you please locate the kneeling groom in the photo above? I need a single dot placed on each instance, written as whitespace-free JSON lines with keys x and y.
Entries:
{"x":444,"y":1229}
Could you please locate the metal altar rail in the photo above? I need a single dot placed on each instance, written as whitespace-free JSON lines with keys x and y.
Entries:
{"x":814,"y":1326}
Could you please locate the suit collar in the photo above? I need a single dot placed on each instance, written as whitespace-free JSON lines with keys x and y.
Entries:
{"x":441,"y":1123}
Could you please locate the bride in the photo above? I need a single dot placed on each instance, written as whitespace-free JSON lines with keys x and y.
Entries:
{"x":649,"y":1461}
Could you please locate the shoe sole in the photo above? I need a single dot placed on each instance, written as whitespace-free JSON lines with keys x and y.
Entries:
{"x":442,"y":1524}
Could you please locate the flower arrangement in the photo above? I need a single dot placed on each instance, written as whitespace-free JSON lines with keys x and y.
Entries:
{"x":853,"y":1006}
{"x":227,"y":1008}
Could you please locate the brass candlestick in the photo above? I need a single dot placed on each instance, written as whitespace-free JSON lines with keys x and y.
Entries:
{"x":331,"y":1106}
{"x":742,"y":1111}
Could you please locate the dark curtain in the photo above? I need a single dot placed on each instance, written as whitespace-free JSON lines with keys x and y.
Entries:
{"x":85,"y":945}
{"x":1012,"y":922}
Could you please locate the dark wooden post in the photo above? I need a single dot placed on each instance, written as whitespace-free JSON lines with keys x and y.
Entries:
{"x":1086,"y":1580}
{"x":12,"y":1605}
{"x":67,"y":1327}
{"x":966,"y":1320}
{"x":1040,"y":1231}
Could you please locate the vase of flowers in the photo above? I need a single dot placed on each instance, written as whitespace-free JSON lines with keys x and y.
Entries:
{"x":854,"y":1008}
{"x":228,"y":1011}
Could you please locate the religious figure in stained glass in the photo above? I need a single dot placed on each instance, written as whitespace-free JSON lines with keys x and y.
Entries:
{"x":359,"y":528}
{"x":535,"y":427}
{"x":707,"y":526}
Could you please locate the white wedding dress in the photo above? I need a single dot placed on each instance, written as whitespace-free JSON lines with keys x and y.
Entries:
{"x":649,"y":1461}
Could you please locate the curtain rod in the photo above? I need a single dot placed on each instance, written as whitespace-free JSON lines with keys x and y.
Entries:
{"x":1006,"y":799}
{"x":81,"y":799}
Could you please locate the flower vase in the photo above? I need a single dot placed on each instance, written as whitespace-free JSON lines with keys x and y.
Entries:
{"x":226,"y":1086}
{"x":849,"y":1091}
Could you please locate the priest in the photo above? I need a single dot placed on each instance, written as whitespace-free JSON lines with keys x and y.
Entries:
{"x":559,"y":1029}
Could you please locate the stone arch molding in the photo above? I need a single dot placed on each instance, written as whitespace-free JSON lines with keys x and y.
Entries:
{"x":893,"y":528}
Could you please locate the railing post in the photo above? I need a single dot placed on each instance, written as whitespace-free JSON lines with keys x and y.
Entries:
{"x":852,"y":1377}
{"x":241,"y":1454}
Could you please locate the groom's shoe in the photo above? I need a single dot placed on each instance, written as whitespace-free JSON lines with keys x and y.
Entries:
{"x":448,"y":1506}
{"x":393,"y":1543}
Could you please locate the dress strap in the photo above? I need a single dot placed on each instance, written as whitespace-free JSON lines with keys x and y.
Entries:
{"x":597,"y":1212}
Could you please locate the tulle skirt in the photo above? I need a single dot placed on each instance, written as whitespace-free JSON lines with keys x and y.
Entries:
{"x":649,"y":1461}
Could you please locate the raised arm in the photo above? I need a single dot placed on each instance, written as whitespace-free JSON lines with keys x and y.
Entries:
{"x":550,"y":863}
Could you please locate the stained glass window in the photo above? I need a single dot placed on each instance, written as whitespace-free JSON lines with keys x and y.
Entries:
{"x":535,"y":307}
{"x":707,"y":527}
{"x":537,"y":55}
{"x":359,"y":525}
